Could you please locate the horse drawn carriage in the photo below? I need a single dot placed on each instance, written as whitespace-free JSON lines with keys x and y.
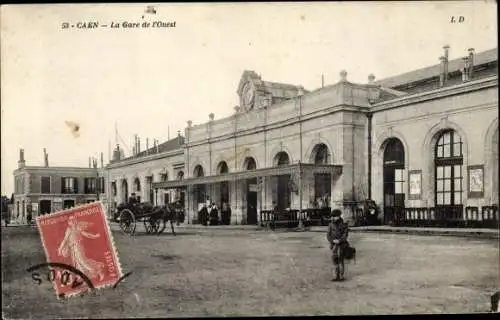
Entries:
{"x":129,"y":214}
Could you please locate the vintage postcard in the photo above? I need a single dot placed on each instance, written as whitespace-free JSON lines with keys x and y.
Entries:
{"x":249,"y":159}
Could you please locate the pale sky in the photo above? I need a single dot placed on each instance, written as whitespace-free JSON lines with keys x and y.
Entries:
{"x":149,"y":79}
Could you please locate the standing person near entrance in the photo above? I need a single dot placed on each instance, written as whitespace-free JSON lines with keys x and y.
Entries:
{"x":29,"y":216}
{"x":226,"y":214}
{"x":337,"y":237}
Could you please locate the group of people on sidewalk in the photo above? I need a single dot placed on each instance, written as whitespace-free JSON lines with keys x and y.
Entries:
{"x":209,"y":214}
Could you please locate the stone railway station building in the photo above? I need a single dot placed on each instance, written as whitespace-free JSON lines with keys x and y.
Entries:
{"x":423,"y":145}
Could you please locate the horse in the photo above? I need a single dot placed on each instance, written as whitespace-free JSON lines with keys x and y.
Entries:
{"x":154,"y":214}
{"x":167,"y":213}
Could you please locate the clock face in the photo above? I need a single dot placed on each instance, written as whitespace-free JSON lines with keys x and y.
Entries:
{"x":248,"y":96}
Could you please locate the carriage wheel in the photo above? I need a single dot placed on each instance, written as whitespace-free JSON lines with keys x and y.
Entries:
{"x":152,"y":225}
{"x":127,"y":222}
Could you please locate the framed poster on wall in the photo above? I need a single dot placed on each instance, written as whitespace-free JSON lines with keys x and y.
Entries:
{"x":415,"y":185}
{"x":476,"y":181}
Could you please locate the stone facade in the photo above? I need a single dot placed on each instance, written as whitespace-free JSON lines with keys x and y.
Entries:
{"x":137,"y":173}
{"x":352,"y":126}
{"x":354,"y":122}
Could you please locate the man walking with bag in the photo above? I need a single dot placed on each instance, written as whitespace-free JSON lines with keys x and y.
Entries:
{"x":337,"y":237}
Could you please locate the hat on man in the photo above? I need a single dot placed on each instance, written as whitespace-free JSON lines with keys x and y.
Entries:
{"x":336,"y":213}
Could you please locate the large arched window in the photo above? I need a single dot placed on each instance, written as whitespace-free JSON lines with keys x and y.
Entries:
{"x":222,"y":168}
{"x":113,"y":188}
{"x":283,"y":182}
{"x":393,"y":169}
{"x":322,"y":181}
{"x":223,"y":187}
{"x":321,"y":154}
{"x":449,"y":174}
{"x":137,"y":184}
{"x":149,"y":183}
{"x":281,"y":159}
{"x":250,"y":163}
{"x":198,"y":171}
{"x":199,"y":189}
{"x":125,"y":190}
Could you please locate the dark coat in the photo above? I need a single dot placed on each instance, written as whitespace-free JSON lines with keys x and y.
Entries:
{"x":338,"y":231}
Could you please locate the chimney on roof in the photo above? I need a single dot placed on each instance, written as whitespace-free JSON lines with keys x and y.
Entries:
{"x":21,"y":163}
{"x":446,"y":57}
{"x":211,"y":116}
{"x":147,"y":145}
{"x":118,"y":154}
{"x":471,"y":62}
{"x":134,"y":148}
{"x":343,"y":75}
{"x":443,"y":75}
{"x":46,"y":158}
{"x":179,"y":133}
{"x":90,"y":165}
{"x":102,"y":160}
{"x":465,"y":69}
{"x":190,"y":123}
{"x":371,"y":78}
{"x":300,"y":91}
{"x":157,"y":146}
{"x":138,"y":144}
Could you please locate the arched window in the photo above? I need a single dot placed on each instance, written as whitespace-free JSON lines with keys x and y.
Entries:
{"x":125,"y":190}
{"x":449,"y":175}
{"x":200,"y":192}
{"x":283,"y":182}
{"x":137,"y":184}
{"x":149,"y":180}
{"x":250,"y":163}
{"x":223,"y":187}
{"x":282,"y":159}
{"x":321,"y":154}
{"x":322,"y":181}
{"x":198,"y":171}
{"x":393,"y":178}
{"x":113,"y":188}
{"x":222,"y":168}
{"x":394,"y":153}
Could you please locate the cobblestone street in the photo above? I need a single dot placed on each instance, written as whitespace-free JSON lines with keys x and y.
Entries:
{"x":234,"y":272}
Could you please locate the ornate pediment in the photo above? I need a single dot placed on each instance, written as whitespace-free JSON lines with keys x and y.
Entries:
{"x":255,"y":93}
{"x":247,"y":90}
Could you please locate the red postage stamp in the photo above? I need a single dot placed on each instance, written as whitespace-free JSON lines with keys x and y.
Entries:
{"x":80,"y":237}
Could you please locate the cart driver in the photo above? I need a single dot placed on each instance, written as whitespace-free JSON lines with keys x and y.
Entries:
{"x":133,"y":199}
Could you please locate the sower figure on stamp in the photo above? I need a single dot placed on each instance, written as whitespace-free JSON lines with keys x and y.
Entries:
{"x":72,"y":247}
{"x":337,"y":237}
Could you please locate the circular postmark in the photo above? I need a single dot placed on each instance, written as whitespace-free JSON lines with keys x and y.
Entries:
{"x":67,"y":276}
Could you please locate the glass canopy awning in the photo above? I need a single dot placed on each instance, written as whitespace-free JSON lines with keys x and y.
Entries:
{"x":334,"y":170}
